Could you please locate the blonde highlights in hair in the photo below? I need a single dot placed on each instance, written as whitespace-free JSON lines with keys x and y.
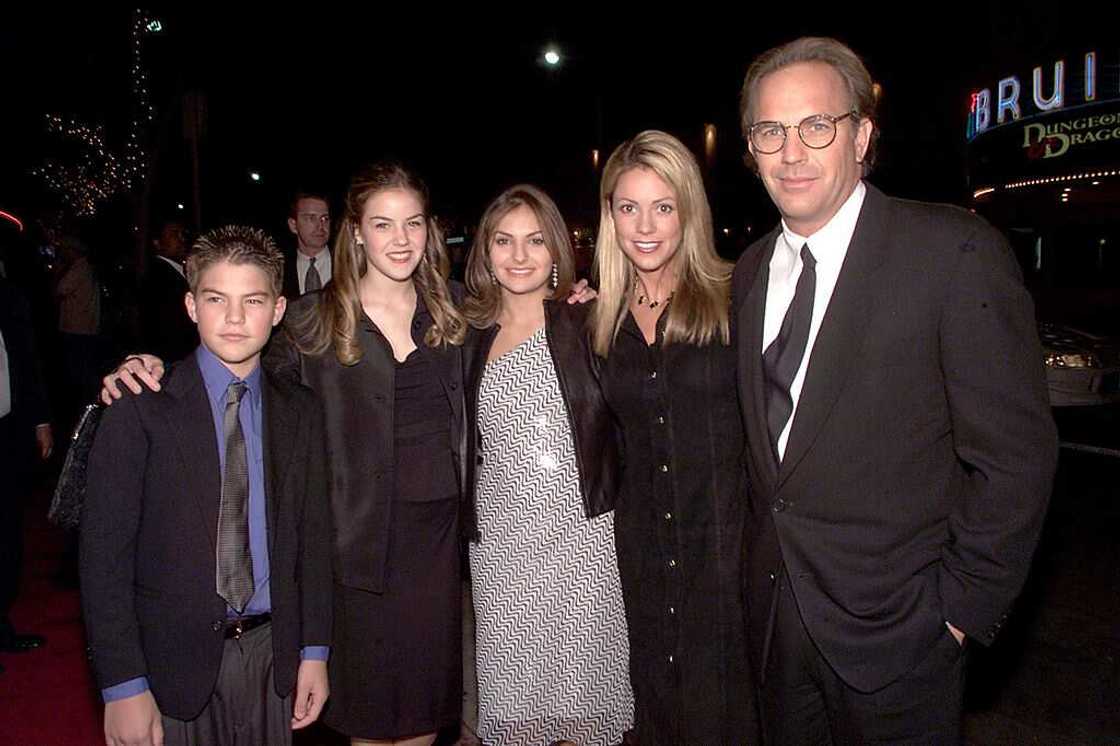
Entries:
{"x":700,"y":308}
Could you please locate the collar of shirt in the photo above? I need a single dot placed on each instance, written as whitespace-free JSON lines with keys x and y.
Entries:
{"x":829,"y":244}
{"x":322,"y":261}
{"x":174,"y":264}
{"x":218,"y":377}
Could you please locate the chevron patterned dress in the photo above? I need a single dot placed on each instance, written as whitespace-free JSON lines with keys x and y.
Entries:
{"x":552,"y":647}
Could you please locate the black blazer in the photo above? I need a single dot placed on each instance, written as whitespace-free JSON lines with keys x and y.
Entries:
{"x":920,"y":458}
{"x":28,"y":394}
{"x":577,"y":370}
{"x":149,"y":527}
{"x":168,"y":331}
{"x":357,"y":403}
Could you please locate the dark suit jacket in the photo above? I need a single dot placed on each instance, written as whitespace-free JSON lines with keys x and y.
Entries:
{"x":149,"y":529}
{"x":28,"y":399}
{"x":29,"y":396}
{"x":920,"y":458}
{"x":168,"y":331}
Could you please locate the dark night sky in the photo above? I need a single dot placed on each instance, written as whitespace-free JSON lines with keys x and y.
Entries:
{"x":306,"y":95}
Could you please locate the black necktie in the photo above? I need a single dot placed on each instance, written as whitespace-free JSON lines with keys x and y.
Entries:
{"x":312,"y":280}
{"x":782,"y":359}
{"x":235,"y":560}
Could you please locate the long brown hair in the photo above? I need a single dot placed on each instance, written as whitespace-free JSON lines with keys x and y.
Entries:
{"x":334,"y":322}
{"x":701,"y":303}
{"x":484,"y":302}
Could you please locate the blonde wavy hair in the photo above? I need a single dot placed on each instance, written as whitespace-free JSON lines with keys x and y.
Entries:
{"x":701,"y":301}
{"x":334,"y":321}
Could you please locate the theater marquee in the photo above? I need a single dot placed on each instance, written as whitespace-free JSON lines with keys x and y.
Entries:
{"x":1061,"y":121}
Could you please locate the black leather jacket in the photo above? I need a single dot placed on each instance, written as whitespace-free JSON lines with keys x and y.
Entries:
{"x":358,"y":402}
{"x":593,"y":429}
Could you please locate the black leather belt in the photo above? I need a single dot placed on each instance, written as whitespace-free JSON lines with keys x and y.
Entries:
{"x":234,"y":628}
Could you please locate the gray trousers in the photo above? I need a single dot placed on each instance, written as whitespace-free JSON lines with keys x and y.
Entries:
{"x":244,"y":709}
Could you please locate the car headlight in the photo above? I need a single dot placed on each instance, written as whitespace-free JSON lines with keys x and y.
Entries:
{"x":1072,"y":360}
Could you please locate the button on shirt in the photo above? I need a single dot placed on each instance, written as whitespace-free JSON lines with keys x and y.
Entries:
{"x":217,"y":378}
{"x":829,"y":246}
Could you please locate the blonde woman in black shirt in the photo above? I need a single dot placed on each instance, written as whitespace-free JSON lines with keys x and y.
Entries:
{"x":662,"y":326}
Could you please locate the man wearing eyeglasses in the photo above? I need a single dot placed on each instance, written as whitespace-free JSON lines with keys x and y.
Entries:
{"x":309,"y":266}
{"x":901,"y":443}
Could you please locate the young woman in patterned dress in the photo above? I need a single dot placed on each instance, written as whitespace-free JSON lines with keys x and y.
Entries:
{"x":550,"y":625}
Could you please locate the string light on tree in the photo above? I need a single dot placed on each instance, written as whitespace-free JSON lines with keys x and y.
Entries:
{"x":99,"y":172}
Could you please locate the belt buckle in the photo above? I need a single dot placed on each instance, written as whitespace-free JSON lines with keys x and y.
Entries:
{"x":238,"y":630}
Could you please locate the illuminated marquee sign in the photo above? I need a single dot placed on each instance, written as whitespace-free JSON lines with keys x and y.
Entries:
{"x":1054,"y":139}
{"x":1065,"y":84}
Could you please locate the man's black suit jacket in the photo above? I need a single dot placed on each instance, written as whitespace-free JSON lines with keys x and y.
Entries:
{"x":921,"y":455}
{"x":149,"y":529}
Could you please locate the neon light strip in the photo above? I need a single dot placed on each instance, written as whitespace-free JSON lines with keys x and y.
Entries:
{"x":1043,"y":181}
{"x":13,"y":218}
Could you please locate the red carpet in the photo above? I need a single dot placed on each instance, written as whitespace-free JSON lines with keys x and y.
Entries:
{"x":47,"y":696}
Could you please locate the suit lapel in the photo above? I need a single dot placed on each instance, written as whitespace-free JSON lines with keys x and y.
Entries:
{"x":281,"y":425}
{"x":836,"y":350}
{"x":192,"y":423}
{"x":751,"y":314}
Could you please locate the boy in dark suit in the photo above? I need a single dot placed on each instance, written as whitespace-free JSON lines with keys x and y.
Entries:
{"x":205,"y":534}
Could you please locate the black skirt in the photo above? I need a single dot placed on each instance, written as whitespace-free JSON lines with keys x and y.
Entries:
{"x":396,"y":660}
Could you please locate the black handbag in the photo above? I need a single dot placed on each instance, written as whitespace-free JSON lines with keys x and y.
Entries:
{"x":70,"y":492}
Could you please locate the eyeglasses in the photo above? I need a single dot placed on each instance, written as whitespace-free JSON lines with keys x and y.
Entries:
{"x":817,"y":131}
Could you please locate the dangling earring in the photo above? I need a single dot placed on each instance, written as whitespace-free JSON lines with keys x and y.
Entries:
{"x":493,"y":277}
{"x":555,"y":276}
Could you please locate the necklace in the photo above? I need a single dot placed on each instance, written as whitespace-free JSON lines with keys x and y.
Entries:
{"x":643,"y":300}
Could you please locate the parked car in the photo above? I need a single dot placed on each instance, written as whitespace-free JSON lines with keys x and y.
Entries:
{"x":1082,"y":368}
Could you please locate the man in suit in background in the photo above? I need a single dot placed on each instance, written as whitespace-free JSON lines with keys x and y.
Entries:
{"x":24,"y":426}
{"x":901,"y":444}
{"x":309,"y":266}
{"x":166,"y":328}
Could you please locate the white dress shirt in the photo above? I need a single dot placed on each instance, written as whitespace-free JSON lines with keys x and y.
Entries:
{"x":829,"y":246}
{"x":322,"y":266}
